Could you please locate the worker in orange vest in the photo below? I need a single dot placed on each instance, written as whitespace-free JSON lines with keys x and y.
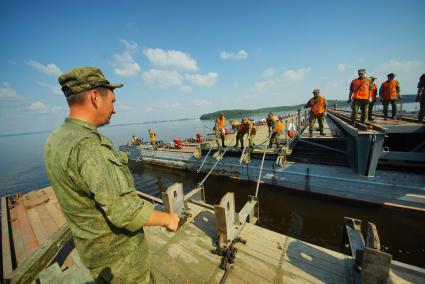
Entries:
{"x":277,"y":130}
{"x":389,"y":93}
{"x":420,"y":97}
{"x":220,"y":129}
{"x":372,"y":97}
{"x":251,"y":130}
{"x":318,"y":106}
{"x":359,"y":96}
{"x":241,"y":132}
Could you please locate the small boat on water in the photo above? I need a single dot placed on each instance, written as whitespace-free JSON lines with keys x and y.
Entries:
{"x":380,"y":162}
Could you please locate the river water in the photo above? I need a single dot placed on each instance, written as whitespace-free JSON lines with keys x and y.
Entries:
{"x":314,"y":219}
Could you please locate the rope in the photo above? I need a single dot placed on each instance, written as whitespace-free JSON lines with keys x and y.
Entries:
{"x":204,"y":161}
{"x":216,"y":163}
{"x":261,"y":167}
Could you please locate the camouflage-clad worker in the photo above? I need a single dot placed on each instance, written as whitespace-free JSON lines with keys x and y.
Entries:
{"x":271,"y":120}
{"x":94,"y":186}
{"x":318,"y":106}
{"x":218,"y":132}
{"x":251,"y":129}
{"x":277,"y":130}
{"x":420,"y":97}
{"x":390,"y":93}
{"x":372,"y":98}
{"x":242,"y":130}
{"x":360,"y":89}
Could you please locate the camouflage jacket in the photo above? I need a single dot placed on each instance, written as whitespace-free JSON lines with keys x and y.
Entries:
{"x":97,"y":195}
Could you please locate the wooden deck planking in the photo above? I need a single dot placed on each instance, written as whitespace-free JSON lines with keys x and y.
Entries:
{"x":22,"y":231}
{"x":37,"y":226}
{"x":185,"y":256}
{"x":46,"y":219}
{"x":296,"y":258}
{"x":6,"y":250}
{"x":56,"y":214}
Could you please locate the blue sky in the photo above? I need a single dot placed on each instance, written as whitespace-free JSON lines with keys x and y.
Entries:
{"x":179,"y":59}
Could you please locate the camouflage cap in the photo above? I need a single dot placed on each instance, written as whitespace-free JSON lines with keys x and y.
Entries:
{"x":81,"y":79}
{"x":270,"y":114}
{"x":361,"y":70}
{"x":316,"y":91}
{"x":372,"y":78}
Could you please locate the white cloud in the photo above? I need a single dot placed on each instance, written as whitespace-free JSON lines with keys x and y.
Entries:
{"x":186,"y":89}
{"x":122,"y":106}
{"x":162,"y":78}
{"x":269,"y":72}
{"x":49,"y":69}
{"x":38,"y":107}
{"x":296,"y":75}
{"x":206,"y":80}
{"x":342,"y":67}
{"x":6,"y":90}
{"x":124,"y":63}
{"x":170,"y":59}
{"x":162,"y":106}
{"x":264,"y":85}
{"x":201,"y":103}
{"x":240,"y":55}
{"x":52,"y":89}
{"x":399,"y":66}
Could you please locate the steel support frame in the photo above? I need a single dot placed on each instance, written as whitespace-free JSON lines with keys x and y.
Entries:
{"x":364,"y":149}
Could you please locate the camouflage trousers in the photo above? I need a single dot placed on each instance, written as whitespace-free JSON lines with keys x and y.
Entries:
{"x":385,"y":104}
{"x":251,"y":140}
{"x":370,"y":110}
{"x":363,"y":105}
{"x":133,"y":268}
{"x":275,"y":138}
{"x":239,"y":138}
{"x":320,"y":118}
{"x":219,"y":137}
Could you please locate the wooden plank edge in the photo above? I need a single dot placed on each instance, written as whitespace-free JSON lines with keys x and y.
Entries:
{"x":32,"y":266}
{"x":5,"y":238}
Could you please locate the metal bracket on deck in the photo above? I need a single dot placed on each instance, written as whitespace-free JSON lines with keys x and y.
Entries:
{"x":228,"y":222}
{"x":173,"y":199}
{"x":372,"y":265}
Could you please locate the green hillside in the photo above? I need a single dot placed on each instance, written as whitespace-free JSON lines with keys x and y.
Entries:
{"x":230,"y":113}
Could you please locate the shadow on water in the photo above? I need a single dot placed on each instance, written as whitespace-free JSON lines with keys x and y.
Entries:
{"x":314,"y":219}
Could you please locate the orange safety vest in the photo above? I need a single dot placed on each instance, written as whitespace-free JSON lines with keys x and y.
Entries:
{"x":317,"y":107}
{"x":374,"y":93}
{"x":222,"y":122}
{"x":279,"y":127}
{"x":389,"y":90}
{"x":253,"y":127}
{"x":360,"y":89}
{"x":242,"y":128}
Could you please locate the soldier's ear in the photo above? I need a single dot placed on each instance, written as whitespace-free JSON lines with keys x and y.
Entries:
{"x":94,"y":98}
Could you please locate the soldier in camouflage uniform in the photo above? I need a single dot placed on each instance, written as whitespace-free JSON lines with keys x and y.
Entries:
{"x":251,"y":131}
{"x":95,"y":187}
